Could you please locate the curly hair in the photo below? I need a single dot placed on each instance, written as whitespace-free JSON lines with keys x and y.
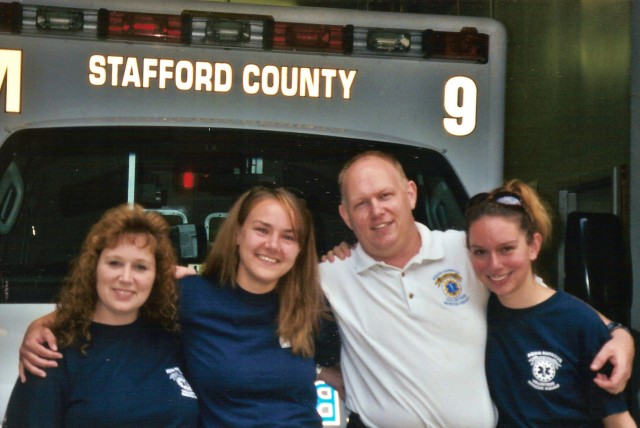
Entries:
{"x":78,"y":296}
{"x":300,"y":296}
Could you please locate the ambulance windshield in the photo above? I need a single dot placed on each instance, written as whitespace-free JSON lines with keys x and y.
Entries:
{"x":60,"y":180}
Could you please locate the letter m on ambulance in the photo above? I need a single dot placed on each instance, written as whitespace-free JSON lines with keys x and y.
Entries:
{"x":11,"y":79}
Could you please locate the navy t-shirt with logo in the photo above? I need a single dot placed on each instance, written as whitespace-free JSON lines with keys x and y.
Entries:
{"x":131,"y":376}
{"x":538,"y":360}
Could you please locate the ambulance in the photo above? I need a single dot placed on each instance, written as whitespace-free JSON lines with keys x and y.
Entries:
{"x":180,"y":106}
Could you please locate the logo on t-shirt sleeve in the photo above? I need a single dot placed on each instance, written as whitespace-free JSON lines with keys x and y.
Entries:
{"x":175,"y":374}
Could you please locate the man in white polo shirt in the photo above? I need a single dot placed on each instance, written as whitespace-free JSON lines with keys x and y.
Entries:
{"x":411,"y":312}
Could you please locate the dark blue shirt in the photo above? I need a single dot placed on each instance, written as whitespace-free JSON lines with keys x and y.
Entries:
{"x":244,"y":375}
{"x":538,"y":362}
{"x":130,"y":377}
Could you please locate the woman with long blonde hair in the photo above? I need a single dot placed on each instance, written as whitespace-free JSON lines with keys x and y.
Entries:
{"x":250,"y":319}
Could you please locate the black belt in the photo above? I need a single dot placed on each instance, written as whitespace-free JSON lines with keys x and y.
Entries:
{"x":355,"y":421}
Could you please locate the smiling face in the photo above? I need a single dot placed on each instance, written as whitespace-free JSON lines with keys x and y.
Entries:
{"x":502,"y":258}
{"x":377,"y":206}
{"x":267,"y":246}
{"x":125,"y":276}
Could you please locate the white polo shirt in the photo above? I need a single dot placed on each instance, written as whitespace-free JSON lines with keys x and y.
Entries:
{"x":414,"y":338}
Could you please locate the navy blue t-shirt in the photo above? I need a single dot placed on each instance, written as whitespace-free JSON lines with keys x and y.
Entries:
{"x":130,"y":377}
{"x":242,"y":372}
{"x":538,"y":360}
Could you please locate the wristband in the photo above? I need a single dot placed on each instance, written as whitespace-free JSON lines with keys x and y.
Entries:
{"x":616,"y":325}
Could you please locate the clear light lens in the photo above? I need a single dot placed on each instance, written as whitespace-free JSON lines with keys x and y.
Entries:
{"x":48,"y":18}
{"x":388,"y":41}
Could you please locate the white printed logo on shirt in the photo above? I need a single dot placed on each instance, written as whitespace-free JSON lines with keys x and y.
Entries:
{"x":176,"y":375}
{"x":544,"y":367}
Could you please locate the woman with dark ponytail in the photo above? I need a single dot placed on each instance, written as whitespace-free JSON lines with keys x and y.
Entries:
{"x":541,"y":341}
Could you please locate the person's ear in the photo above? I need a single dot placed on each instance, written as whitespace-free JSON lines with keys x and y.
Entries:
{"x":412,"y":193}
{"x":534,"y":246}
{"x":345,"y":215}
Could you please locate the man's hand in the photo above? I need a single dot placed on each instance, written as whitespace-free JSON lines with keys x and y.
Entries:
{"x":341,"y":251}
{"x":619,"y":351}
{"x":34,"y":355}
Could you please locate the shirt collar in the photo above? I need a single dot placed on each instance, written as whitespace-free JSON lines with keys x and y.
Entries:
{"x":429,"y":250}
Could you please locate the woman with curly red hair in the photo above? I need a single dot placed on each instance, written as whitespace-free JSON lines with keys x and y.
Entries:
{"x":116,"y":324}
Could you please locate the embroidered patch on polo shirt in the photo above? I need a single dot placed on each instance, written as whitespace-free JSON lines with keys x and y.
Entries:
{"x":450,"y":282}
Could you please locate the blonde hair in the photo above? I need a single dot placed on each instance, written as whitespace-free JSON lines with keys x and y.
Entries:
{"x":533,"y":215}
{"x":78,"y":296}
{"x":300,"y":296}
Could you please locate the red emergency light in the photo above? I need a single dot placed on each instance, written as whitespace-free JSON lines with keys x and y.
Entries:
{"x":312,"y":37}
{"x":10,"y":17}
{"x":466,"y":45}
{"x":140,"y":26}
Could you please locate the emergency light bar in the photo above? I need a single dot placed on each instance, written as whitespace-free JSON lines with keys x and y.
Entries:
{"x":203,"y":28}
